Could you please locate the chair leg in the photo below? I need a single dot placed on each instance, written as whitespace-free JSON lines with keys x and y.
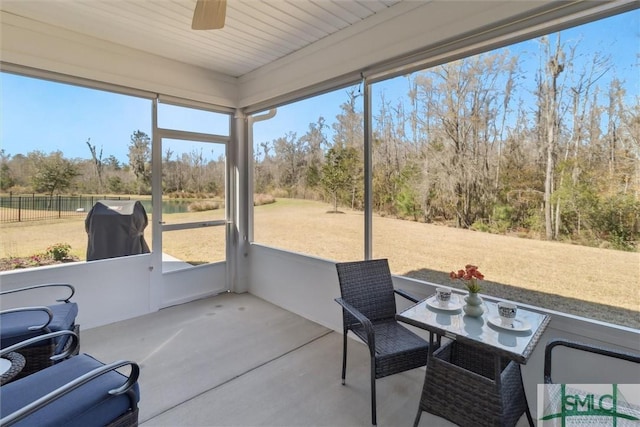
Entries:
{"x":344,"y":356}
{"x":373,"y":392}
{"x":526,"y":402}
{"x":417,"y":420}
{"x":529,"y":417}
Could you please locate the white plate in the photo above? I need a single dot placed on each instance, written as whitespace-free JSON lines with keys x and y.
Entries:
{"x":452,"y":306}
{"x":518,"y":324}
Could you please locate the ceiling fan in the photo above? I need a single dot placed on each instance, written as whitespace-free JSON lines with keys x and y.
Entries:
{"x":209,"y":14}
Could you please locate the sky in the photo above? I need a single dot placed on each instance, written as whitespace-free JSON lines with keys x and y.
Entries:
{"x":46,"y":116}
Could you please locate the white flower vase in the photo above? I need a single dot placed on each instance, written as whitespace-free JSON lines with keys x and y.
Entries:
{"x":473,"y":306}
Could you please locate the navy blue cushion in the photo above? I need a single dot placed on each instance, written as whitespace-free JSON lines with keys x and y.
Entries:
{"x":14,"y":326}
{"x":88,"y":405}
{"x":64,"y":316}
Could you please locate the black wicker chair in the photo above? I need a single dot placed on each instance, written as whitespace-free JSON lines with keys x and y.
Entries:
{"x":548,"y":353}
{"x":553,"y":402}
{"x":369,"y":309}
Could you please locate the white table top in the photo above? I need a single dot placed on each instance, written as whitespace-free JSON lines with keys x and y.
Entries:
{"x":480,"y":331}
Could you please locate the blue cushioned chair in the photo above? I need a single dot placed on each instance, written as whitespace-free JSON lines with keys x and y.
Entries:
{"x":20,"y":324}
{"x":78,"y":391}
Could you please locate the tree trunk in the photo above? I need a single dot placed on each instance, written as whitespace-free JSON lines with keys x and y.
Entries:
{"x":554,"y":68}
{"x":548,"y":182}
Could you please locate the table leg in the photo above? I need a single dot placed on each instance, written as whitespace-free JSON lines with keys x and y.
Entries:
{"x":434,"y":342}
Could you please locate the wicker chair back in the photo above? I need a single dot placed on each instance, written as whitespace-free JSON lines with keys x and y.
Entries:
{"x":367,"y":286}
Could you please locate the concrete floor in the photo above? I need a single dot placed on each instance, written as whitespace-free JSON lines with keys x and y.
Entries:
{"x":236,"y":360}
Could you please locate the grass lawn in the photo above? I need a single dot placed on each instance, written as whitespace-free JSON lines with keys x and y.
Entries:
{"x":597,"y":283}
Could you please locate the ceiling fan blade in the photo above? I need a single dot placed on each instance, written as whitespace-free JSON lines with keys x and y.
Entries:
{"x":209,"y":14}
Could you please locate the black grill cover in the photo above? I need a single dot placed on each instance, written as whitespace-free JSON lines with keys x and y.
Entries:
{"x":116,"y":228}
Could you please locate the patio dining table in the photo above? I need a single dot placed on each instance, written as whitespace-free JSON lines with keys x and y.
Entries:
{"x":473,"y":378}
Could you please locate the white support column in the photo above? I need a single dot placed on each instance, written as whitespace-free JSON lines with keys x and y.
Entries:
{"x":242,"y":200}
{"x":244,"y":139}
{"x":155,"y":277}
{"x":368,"y":172}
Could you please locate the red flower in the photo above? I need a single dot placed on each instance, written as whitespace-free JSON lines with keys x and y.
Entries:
{"x":470,"y":275}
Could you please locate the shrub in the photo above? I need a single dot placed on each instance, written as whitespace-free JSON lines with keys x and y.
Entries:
{"x":279,"y":192}
{"x":502,"y":219}
{"x":263,"y":199}
{"x":17,"y":190}
{"x":407,"y":203}
{"x":59,"y":251}
{"x":535,"y":221}
{"x":478,"y":225}
{"x":205,"y":205}
{"x":616,"y":221}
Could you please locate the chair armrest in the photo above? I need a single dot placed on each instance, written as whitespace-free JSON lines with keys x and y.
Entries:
{"x":68,"y":352}
{"x":70,"y":386}
{"x":45,"y":285}
{"x":407,"y":295}
{"x":361,"y":318}
{"x":47,"y":310}
{"x":630,"y":357}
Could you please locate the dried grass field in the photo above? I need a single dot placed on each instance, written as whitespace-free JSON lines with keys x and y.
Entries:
{"x":603,"y":284}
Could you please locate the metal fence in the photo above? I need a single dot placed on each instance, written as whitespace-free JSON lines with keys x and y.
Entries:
{"x":34,"y":207}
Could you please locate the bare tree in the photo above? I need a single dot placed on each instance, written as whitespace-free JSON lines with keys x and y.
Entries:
{"x":549,"y":103}
{"x":290,"y":153}
{"x":463,"y":98}
{"x":315,"y":142}
{"x":140,"y":159}
{"x":195,"y":161}
{"x":349,"y":133}
{"x":97,"y":164}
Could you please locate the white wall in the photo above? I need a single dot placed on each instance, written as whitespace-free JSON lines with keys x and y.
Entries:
{"x":106,"y":290}
{"x":301,"y":284}
{"x":192,"y":283}
{"x":33,"y":44}
{"x":114,"y":289}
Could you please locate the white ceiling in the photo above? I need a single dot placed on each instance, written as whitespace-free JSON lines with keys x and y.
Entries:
{"x":256,"y":32}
